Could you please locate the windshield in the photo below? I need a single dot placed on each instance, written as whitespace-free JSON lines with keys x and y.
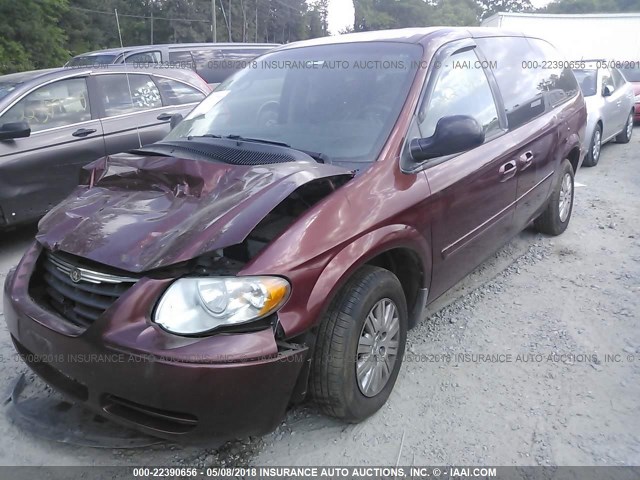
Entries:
{"x":90,"y":60}
{"x":339,"y":100}
{"x":588,"y":80}
{"x":631,"y":74}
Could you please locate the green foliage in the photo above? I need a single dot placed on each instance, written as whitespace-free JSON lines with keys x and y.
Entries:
{"x":382,"y":14}
{"x":46,"y":33}
{"x":491,"y":7}
{"x":31,"y":35}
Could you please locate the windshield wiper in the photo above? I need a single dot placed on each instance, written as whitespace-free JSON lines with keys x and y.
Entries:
{"x":257,"y":140}
{"x":318,"y":157}
{"x":206,"y":135}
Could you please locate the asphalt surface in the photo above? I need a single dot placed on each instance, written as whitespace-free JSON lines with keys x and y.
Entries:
{"x":534,"y":359}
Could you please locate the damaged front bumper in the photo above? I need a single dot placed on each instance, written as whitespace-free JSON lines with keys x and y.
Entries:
{"x":126,"y":369}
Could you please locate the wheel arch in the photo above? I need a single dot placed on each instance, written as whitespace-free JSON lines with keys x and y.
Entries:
{"x":392,"y":247}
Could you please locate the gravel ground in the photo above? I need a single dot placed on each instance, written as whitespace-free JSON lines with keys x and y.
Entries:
{"x":515,"y":366}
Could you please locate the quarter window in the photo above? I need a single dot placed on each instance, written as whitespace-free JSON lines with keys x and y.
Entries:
{"x":145,"y":57}
{"x":178,"y":93}
{"x":461,"y":89}
{"x":182,"y":59}
{"x":121,"y":95}
{"x":55,"y":105}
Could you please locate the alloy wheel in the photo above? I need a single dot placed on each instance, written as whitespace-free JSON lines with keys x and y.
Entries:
{"x":597,"y":145}
{"x":378,"y":347}
{"x":566,"y":197}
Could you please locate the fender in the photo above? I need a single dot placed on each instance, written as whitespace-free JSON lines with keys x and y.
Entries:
{"x":340,"y":268}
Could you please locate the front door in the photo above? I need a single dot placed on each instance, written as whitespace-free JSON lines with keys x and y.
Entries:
{"x":39,"y":171}
{"x":472,"y":194}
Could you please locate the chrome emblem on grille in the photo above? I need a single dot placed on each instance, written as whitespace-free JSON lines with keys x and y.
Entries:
{"x":75,"y":275}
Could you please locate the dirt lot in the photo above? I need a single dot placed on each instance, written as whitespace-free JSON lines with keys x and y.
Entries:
{"x":535,"y":387}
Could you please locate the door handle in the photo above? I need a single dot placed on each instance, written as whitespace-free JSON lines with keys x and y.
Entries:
{"x":165,"y":117}
{"x":619,"y":102}
{"x":526,"y":159}
{"x":507,"y":170}
{"x":83,"y":132}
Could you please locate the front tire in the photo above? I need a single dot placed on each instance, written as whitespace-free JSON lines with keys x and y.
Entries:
{"x":625,"y":135}
{"x":591,"y":160}
{"x":555,"y":219}
{"x":360,"y":345}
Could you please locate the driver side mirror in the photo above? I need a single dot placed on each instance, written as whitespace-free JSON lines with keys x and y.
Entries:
{"x":9,"y":131}
{"x":453,"y":134}
{"x":607,"y":91}
{"x":176,"y":118}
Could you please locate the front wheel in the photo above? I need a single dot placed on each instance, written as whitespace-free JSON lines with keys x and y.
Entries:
{"x":593,"y":155}
{"x":360,"y":345}
{"x":625,"y":135}
{"x":555,"y":219}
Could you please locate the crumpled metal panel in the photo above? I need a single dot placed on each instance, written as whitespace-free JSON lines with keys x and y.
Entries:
{"x":141,"y":213}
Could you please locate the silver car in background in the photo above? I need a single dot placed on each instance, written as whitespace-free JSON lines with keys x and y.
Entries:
{"x":610,"y":107}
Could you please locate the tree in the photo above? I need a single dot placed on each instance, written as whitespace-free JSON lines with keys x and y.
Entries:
{"x":31,"y":37}
{"x":383,"y":14}
{"x":491,"y":7}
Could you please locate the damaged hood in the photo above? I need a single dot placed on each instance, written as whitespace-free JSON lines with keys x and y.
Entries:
{"x":140,"y":213}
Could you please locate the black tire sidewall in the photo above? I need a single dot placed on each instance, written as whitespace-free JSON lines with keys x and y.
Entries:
{"x":623,"y":137}
{"x":358,"y":406}
{"x":592,"y":162}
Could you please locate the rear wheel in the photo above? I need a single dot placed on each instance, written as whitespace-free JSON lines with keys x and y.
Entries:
{"x":555,"y":219}
{"x":625,"y":135}
{"x":593,"y":155}
{"x":360,"y":345}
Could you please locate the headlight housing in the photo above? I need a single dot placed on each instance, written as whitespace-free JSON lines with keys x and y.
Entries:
{"x":637,"y":98}
{"x":196,"y":306}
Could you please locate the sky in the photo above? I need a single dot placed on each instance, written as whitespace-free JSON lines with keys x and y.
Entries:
{"x":340,"y":15}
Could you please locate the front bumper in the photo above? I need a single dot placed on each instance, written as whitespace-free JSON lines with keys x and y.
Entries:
{"x":128,"y":370}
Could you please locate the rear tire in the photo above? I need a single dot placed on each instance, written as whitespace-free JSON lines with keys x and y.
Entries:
{"x":352,"y":341}
{"x":593,"y":155}
{"x":625,"y":135}
{"x":555,"y":219}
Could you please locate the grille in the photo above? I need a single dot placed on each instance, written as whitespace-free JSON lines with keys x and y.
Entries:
{"x":79,"y":294}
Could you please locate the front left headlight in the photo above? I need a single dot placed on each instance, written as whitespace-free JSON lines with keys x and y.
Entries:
{"x":194,"y":306}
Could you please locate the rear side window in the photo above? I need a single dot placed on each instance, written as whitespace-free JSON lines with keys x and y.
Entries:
{"x":461,"y":89}
{"x":531,"y":76}
{"x":118,"y":99}
{"x":178,"y":93}
{"x":181,"y":59}
{"x":555,"y":77}
{"x":145,"y":57}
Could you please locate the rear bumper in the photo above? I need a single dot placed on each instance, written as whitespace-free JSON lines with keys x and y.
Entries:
{"x":165,"y":393}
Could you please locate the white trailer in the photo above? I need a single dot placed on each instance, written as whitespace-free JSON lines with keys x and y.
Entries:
{"x":610,"y":36}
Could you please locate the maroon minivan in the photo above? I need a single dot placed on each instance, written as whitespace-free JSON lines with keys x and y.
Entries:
{"x":283,"y":238}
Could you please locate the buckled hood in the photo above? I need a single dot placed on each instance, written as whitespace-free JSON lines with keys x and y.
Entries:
{"x":139,"y":213}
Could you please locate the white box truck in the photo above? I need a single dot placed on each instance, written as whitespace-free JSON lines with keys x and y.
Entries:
{"x":610,"y":36}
